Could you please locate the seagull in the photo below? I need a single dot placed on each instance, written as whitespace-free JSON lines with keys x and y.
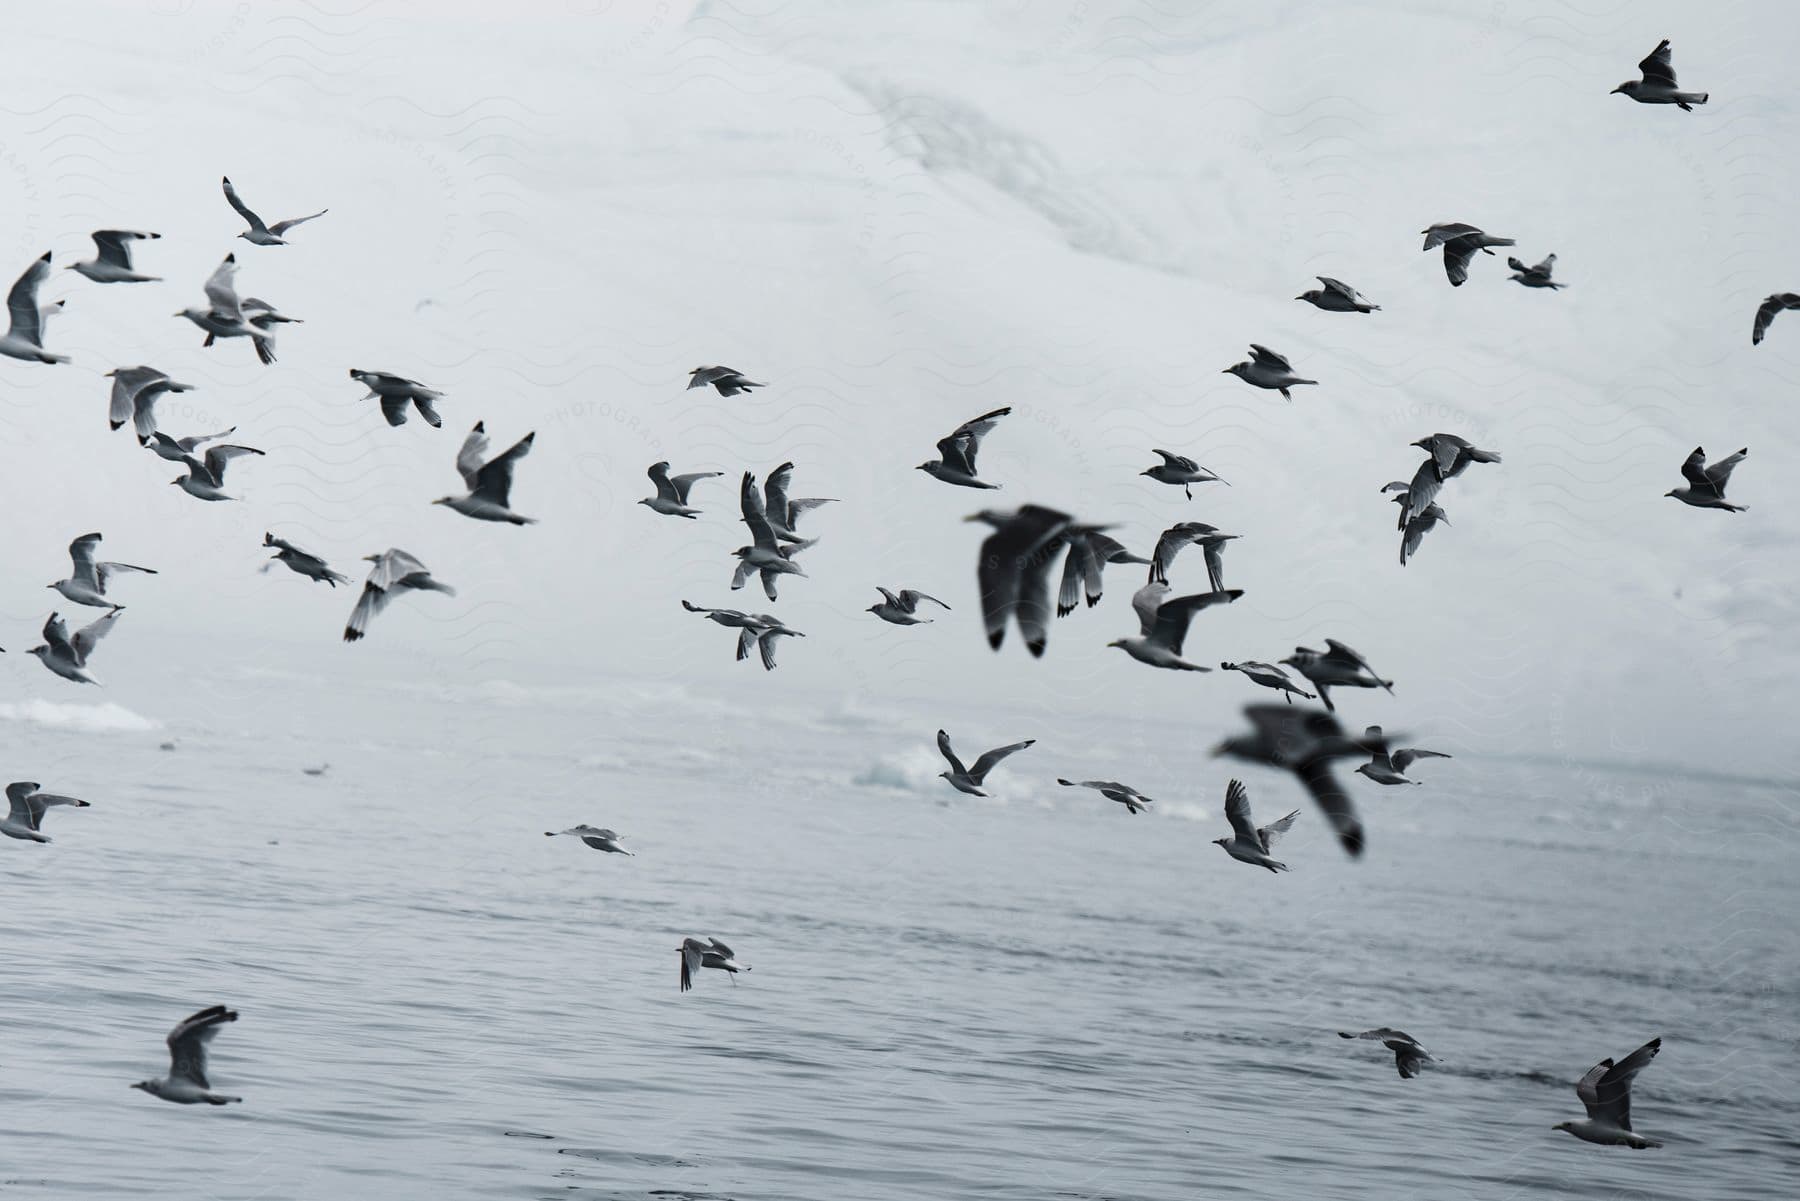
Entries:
{"x":784,"y":513}
{"x":67,"y":656}
{"x":1164,"y":625}
{"x":901,"y":608}
{"x":489,"y":483}
{"x":1658,"y":84}
{"x":1337,"y":297}
{"x":671,"y":499}
{"x":317,"y":771}
{"x":724,"y":379}
{"x":1765,"y":313}
{"x":395,"y":393}
{"x":1133,"y":800}
{"x":263,"y":316}
{"x":600,"y":840}
{"x":177,"y":450}
{"x":1013,"y":572}
{"x":1207,"y":537}
{"x":224,"y":315}
{"x":111,"y":263}
{"x":764,"y":554}
{"x":1706,"y":485}
{"x":258,"y":233}
{"x":186,"y":1083}
{"x":1269,"y":676}
{"x":1250,"y":843}
{"x":1460,"y":242}
{"x":1335,"y":667}
{"x":955,"y":463}
{"x":1089,"y":553}
{"x":1413,"y":497}
{"x":1452,"y":455}
{"x":24,"y":819}
{"x":303,"y":562}
{"x":1606,"y":1092}
{"x":758,"y":629}
{"x":711,"y":953}
{"x":1409,"y":1055}
{"x":205,"y":478}
{"x":394,"y":572}
{"x":134,"y":393}
{"x":1534,"y":277}
{"x":1417,"y":526}
{"x":1266,"y":369}
{"x":1182,"y":472}
{"x":86,"y":584}
{"x":25,"y":337}
{"x":1389,"y":766}
{"x":970,"y":779}
{"x":1305,"y":742}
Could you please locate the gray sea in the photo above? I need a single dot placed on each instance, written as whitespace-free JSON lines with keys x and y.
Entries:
{"x":1032,"y":996}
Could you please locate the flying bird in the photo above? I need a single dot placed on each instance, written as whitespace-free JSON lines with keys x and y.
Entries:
{"x":177,"y":450}
{"x":1191,"y":533}
{"x":25,"y":336}
{"x":133,"y":399}
{"x":1658,"y":84}
{"x":784,"y":511}
{"x":1451,"y":455}
{"x":68,"y":657}
{"x":111,"y":263}
{"x":1706,"y":485}
{"x":1013,"y":571}
{"x":955,"y":463}
{"x":726,"y":381}
{"x":1337,"y":297}
{"x":223,"y":316}
{"x":395,"y":393}
{"x":1182,"y":472}
{"x":1460,"y":243}
{"x":1606,"y":1093}
{"x":1389,"y":766}
{"x":1266,"y":369}
{"x":754,"y":629}
{"x":186,"y":1083}
{"x":1164,"y":625}
{"x":765,"y":555}
{"x":712,"y":953}
{"x":671,"y":499}
{"x":970,"y":779}
{"x":1249,"y":842}
{"x":1765,"y":313}
{"x":205,"y":478}
{"x":1335,"y":667}
{"x":302,"y":562}
{"x":24,"y":819}
{"x":1534,"y":277}
{"x":1409,"y":1055}
{"x":1269,"y":676}
{"x":395,"y":572}
{"x":1305,"y":742}
{"x":1133,"y":800}
{"x":902,"y":608}
{"x":600,"y":840}
{"x":1090,"y":551}
{"x":258,"y":233}
{"x":87,"y":580}
{"x":1417,"y":526}
{"x":489,"y":482}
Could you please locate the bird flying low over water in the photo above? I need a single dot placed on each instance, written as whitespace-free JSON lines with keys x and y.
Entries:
{"x":1305,"y":742}
{"x":1250,"y":843}
{"x":671,"y":499}
{"x":395,"y":393}
{"x":1706,"y":485}
{"x":1606,"y":1093}
{"x":258,"y":233}
{"x":1409,"y":1054}
{"x":955,"y":463}
{"x":1658,"y":83}
{"x":1765,"y":313}
{"x":712,"y":953}
{"x":186,"y":1083}
{"x":111,"y":263}
{"x":1266,"y":369}
{"x":600,"y":840}
{"x":1335,"y":667}
{"x":1460,"y":243}
{"x":88,"y":577}
{"x":1389,"y":766}
{"x":723,"y":379}
{"x":970,"y":779}
{"x":1163,"y":625}
{"x":395,"y":573}
{"x":223,"y":316}
{"x":68,"y":656}
{"x":1534,"y":277}
{"x":1337,"y":297}
{"x":24,"y":337}
{"x":24,"y":819}
{"x":902,"y":608}
{"x":1182,"y":472}
{"x":1133,"y":800}
{"x":489,"y":482}
{"x":302,"y":562}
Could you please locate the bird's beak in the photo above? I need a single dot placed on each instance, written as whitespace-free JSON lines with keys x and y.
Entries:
{"x":1227,"y":370}
{"x":1614,"y":92}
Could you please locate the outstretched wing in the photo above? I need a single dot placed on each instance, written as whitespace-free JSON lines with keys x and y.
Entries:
{"x":750,"y":502}
{"x":494,"y":481}
{"x":468,"y":459}
{"x":958,"y":450}
{"x":956,"y":765}
{"x":221,"y":291}
{"x":1658,"y":66}
{"x":986,"y":763}
{"x":281,"y":227}
{"x":1173,"y":617}
{"x":1275,"y":829}
{"x":910,"y":599}
{"x":1765,"y":313}
{"x":683,"y":484}
{"x":81,"y":554}
{"x":1268,"y":358}
{"x":86,"y":637}
{"x":187,"y":1043}
{"x":1237,"y":812}
{"x":218,"y":456}
{"x":1407,"y":756}
{"x":22,"y":304}
{"x":243,"y":210}
{"x":1694,"y":468}
{"x":1719,"y":474}
{"x":1612,"y":1090}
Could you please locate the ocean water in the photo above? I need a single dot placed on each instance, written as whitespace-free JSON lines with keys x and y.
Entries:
{"x":1031,"y":996}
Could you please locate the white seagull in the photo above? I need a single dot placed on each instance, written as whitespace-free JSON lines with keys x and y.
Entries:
{"x":712,"y":953}
{"x":205,"y":478}
{"x":1606,"y":1092}
{"x":1269,"y":676}
{"x":1337,"y":297}
{"x":1335,"y":667}
{"x":1706,"y":485}
{"x":395,"y":393}
{"x":68,"y":656}
{"x":1134,"y":801}
{"x":1460,"y":243}
{"x":955,"y":463}
{"x":901,"y":608}
{"x":186,"y":1083}
{"x":24,"y":818}
{"x":1409,"y":1054}
{"x":1658,"y":84}
{"x":600,"y":840}
{"x":1164,"y":624}
{"x":301,"y":562}
{"x":489,"y":483}
{"x":726,"y":381}
{"x":111,"y":263}
{"x":671,"y":499}
{"x":784,"y":511}
{"x":970,"y":779}
{"x":86,"y":584}
{"x":1389,"y":766}
{"x":223,"y":316}
{"x":1266,"y":369}
{"x":177,"y":450}
{"x":754,"y":629}
{"x":1250,"y":843}
{"x":133,"y":399}
{"x":1182,"y":472}
{"x":258,"y":233}
{"x":765,"y":554}
{"x":25,"y":336}
{"x":395,"y":572}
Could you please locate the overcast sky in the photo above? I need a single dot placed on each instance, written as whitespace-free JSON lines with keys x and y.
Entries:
{"x":901,"y":216}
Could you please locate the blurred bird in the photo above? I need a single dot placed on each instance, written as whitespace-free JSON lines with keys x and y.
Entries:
{"x":1089,"y":552}
{"x":25,"y":336}
{"x":1013,"y":571}
{"x":1765,"y":313}
{"x":1534,"y":277}
{"x":111,"y":263}
{"x":1269,"y":676}
{"x":1305,"y":742}
{"x":133,"y":399}
{"x":1197,"y":533}
{"x":600,"y":840}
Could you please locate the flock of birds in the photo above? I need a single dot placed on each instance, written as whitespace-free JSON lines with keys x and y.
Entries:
{"x":1013,"y":575}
